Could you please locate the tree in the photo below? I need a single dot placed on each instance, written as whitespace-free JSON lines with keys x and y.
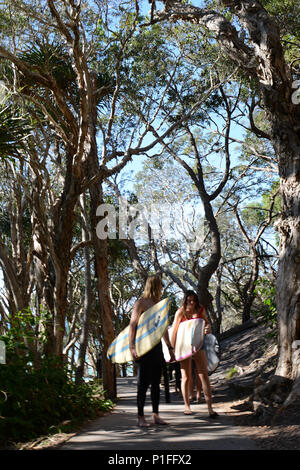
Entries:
{"x":248,"y":291}
{"x":65,"y":90}
{"x":256,"y":47}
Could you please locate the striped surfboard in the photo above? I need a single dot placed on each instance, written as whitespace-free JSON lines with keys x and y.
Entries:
{"x":151,"y":326}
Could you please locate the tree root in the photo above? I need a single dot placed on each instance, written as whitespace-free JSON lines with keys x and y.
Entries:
{"x":269,"y":398}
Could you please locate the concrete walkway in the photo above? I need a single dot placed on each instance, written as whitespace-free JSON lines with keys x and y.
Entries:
{"x":118,"y":431}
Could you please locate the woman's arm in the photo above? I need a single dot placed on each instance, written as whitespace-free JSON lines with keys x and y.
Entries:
{"x":175,"y":325}
{"x":136,"y":312}
{"x":167,"y":339}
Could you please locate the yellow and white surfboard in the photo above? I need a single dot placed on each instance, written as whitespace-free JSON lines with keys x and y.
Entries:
{"x":151,"y":326}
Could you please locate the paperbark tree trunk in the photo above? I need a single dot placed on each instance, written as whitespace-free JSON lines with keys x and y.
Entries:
{"x":62,"y":244}
{"x":288,"y":280}
{"x":88,"y":302}
{"x":101,"y":261}
{"x":284,"y":117}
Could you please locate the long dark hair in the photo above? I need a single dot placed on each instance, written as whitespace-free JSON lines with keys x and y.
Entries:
{"x":186,"y":295}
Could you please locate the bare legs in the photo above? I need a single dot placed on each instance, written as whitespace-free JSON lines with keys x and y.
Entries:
{"x":199,"y":388}
{"x":186,"y":379}
{"x":186,"y":372}
{"x":157,"y":419}
{"x":207,"y":391}
{"x":142,"y":422}
{"x":202,"y":372}
{"x":195,"y":378}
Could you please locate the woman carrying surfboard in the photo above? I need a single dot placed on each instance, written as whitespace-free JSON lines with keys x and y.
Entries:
{"x":149,"y":366}
{"x":191,"y":309}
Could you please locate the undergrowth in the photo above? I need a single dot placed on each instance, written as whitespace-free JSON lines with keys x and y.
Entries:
{"x":35,"y":399}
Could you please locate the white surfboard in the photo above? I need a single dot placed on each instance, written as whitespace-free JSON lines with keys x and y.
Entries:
{"x":150,"y":329}
{"x":211,"y":347}
{"x":189,"y":339}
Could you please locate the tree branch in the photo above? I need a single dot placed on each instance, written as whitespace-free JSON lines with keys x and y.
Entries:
{"x":226,"y":34}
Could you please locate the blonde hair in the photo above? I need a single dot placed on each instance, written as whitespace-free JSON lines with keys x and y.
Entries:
{"x":153,"y":288}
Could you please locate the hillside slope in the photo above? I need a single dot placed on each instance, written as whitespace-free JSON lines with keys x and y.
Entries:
{"x":248,"y":360}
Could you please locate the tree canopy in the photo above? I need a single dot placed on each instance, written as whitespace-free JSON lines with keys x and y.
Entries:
{"x":190,"y":108}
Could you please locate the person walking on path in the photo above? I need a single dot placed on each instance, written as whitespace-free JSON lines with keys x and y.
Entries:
{"x":191,"y":308}
{"x":150,"y":365}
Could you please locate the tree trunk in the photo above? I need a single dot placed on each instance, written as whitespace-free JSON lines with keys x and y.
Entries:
{"x":87,"y":300}
{"x":42,"y":270}
{"x":205,"y":273}
{"x":217,"y":317}
{"x":62,"y":244}
{"x":288,"y":280}
{"x":284,"y":117}
{"x":101,"y":262}
{"x":101,"y":256}
{"x":248,"y":295}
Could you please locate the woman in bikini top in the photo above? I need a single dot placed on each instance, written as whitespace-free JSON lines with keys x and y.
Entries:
{"x":189,"y":309}
{"x":194,"y":316}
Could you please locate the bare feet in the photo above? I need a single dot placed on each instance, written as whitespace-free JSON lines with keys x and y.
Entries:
{"x":188,"y":412}
{"x":158,"y":420}
{"x":143,"y":423}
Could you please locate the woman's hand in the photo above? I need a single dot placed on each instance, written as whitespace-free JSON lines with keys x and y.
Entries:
{"x":172,"y":355}
{"x":134,"y":353}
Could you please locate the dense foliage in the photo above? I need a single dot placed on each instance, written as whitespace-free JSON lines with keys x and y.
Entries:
{"x":36,"y":400}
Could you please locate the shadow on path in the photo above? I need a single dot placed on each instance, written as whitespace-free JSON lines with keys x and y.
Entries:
{"x":118,"y":430}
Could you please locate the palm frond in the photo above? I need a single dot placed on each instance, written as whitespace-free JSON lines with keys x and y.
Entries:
{"x":14,"y":128}
{"x":52,"y":59}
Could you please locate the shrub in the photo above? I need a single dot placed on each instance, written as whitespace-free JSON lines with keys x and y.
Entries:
{"x":231,"y":372}
{"x":34,"y":399}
